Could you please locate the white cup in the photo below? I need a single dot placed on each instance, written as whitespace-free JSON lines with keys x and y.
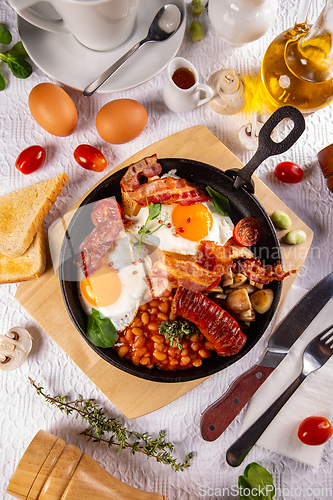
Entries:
{"x":182,"y":100}
{"x":97,"y":24}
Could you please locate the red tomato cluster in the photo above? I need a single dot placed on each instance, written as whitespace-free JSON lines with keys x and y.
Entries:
{"x":314,"y":431}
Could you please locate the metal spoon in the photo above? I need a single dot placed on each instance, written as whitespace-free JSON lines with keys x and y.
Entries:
{"x":165,"y":24}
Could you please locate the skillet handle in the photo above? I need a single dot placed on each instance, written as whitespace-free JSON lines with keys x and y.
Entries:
{"x":267,"y":147}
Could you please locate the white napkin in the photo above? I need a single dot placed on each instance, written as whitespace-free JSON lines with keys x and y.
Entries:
{"x":312,"y":398}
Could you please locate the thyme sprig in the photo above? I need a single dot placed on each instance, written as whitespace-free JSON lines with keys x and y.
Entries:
{"x":177,"y":329}
{"x":120,"y":437}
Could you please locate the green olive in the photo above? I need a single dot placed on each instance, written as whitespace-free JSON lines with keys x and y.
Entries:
{"x":281,"y":219}
{"x":197,"y":7}
{"x":295,"y":237}
{"x":196,"y":31}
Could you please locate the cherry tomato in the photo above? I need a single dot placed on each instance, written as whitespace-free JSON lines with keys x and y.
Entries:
{"x":30,"y":159}
{"x":90,"y":158}
{"x":247,"y":232}
{"x":314,"y":430}
{"x":108,"y":209}
{"x":288,"y":172}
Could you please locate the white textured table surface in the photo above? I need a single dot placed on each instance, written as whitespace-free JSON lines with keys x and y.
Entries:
{"x":23,"y":413}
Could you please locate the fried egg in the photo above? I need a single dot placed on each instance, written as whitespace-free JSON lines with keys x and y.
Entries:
{"x":181,"y":227}
{"x":116,"y":289}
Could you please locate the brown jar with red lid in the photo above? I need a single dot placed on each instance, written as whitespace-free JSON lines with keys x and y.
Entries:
{"x":325,"y":158}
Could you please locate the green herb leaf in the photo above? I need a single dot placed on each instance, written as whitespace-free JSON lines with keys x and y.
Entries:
{"x":221,"y":203}
{"x":19,"y":49}
{"x":5,"y":36}
{"x":256,"y":483}
{"x":19,"y":66}
{"x":2,"y":82}
{"x":154,"y":210}
{"x":100,"y":330}
{"x":176,"y":330}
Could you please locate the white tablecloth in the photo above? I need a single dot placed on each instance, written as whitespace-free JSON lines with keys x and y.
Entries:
{"x":23,"y":413}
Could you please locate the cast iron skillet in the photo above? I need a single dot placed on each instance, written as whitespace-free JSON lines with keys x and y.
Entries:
{"x":237,"y":186}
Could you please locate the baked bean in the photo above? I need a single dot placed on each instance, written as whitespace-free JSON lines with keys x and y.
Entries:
{"x":161,"y":356}
{"x":172,"y":316}
{"x":152,"y":326}
{"x":194,"y":338}
{"x":197,"y":363}
{"x":164,"y":307}
{"x":144,"y":361}
{"x":137,"y":322}
{"x":195,"y":346}
{"x":154,"y":303}
{"x":209,"y":346}
{"x":145,"y":318}
{"x":137,"y":331}
{"x":143,"y":307}
{"x":172,"y":351}
{"x":184,"y":352}
{"x":160,"y":347}
{"x":154,"y":310}
{"x":123,"y":350}
{"x":135,"y":360}
{"x":140,"y":341}
{"x":162,"y":316}
{"x":158,"y":339}
{"x":185,"y":360}
{"x":121,"y":339}
{"x":129,"y":335}
{"x":204,"y":353}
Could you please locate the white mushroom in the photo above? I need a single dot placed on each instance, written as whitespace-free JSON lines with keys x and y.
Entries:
{"x":238,"y":281}
{"x":262,"y":300}
{"x":248,"y":134}
{"x":15,"y":346}
{"x":238,"y":301}
{"x":228,"y":90}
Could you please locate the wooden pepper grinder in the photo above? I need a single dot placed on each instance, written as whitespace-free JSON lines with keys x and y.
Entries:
{"x":50,"y":469}
{"x":325,"y":158}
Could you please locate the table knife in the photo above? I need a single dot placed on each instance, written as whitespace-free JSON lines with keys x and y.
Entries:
{"x":217,"y":417}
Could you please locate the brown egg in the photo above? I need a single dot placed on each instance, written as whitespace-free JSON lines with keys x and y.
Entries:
{"x":121,"y":120}
{"x":53,"y":109}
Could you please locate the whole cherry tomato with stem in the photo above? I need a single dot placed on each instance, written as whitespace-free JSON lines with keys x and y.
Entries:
{"x":314,"y":431}
{"x":288,"y":172}
{"x":247,"y":232}
{"x":30,"y":159}
{"x":90,"y":158}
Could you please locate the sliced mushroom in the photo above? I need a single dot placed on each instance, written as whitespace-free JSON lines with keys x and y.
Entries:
{"x":227,"y":279}
{"x":15,"y":346}
{"x":248,"y":315}
{"x":249,"y":288}
{"x":239,"y":280}
{"x":238,"y":301}
{"x":262,"y":300}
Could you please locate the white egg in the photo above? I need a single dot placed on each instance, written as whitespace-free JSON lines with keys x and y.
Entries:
{"x":117,"y":289}
{"x":169,"y":240}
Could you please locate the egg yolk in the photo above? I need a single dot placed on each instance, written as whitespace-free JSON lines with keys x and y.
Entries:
{"x":192,"y":222}
{"x":102,"y":288}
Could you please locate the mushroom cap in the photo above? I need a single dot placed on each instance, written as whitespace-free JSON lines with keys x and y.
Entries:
{"x":15,"y":347}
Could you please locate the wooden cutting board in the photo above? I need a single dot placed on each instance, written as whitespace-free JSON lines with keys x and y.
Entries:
{"x":132,"y":395}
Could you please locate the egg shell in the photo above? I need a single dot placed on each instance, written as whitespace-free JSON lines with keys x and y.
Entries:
{"x":53,"y":109}
{"x":121,"y":120}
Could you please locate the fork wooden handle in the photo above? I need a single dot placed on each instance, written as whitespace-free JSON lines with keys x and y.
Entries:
{"x":241,"y":447}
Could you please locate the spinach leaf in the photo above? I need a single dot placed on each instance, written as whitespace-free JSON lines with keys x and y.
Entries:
{"x":256,"y":483}
{"x":2,"y":82}
{"x":221,"y":203}
{"x":5,"y":36}
{"x":18,"y":48}
{"x":100,"y":330}
{"x":19,"y":66}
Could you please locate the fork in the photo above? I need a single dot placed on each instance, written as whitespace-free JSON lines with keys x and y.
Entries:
{"x":315,"y":355}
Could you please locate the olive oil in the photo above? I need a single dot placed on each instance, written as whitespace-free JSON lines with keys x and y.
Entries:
{"x":297,"y":69}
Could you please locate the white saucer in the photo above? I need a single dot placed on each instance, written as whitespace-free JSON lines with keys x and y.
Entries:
{"x":65,"y":60}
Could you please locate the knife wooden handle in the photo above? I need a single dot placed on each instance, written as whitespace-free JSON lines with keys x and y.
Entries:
{"x":216,"y":418}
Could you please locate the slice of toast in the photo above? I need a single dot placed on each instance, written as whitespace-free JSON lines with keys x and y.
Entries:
{"x":27,"y":266}
{"x":23,"y":211}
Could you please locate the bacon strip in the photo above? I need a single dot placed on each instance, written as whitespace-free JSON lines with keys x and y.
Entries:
{"x":214,"y":257}
{"x":169,"y":190}
{"x":96,"y":245}
{"x":214,"y":323}
{"x":183,"y":272}
{"x":258,"y":273}
{"x":147,"y":167}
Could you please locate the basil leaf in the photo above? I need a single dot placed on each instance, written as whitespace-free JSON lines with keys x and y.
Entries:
{"x":100,"y":330}
{"x":19,"y":66}
{"x":18,"y":48}
{"x":154,"y":210}
{"x":5,"y":36}
{"x":256,"y":483}
{"x":2,"y":82}
{"x":221,"y":203}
